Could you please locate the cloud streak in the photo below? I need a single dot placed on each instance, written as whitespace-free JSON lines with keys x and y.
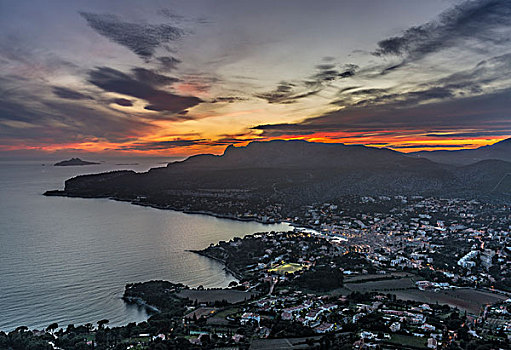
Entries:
{"x":69,"y":94}
{"x":476,"y":113}
{"x":470,"y":21}
{"x":160,"y":145}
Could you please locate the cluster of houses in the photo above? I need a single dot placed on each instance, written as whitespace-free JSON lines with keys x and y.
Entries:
{"x":467,"y":242}
{"x":325,"y":314}
{"x":456,"y":243}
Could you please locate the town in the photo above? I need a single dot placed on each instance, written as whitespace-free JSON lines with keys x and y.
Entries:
{"x":361,"y":272}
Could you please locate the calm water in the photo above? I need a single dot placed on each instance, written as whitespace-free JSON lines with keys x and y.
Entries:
{"x":67,"y":260}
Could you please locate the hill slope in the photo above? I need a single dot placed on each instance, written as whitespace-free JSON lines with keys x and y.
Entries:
{"x":289,"y":173}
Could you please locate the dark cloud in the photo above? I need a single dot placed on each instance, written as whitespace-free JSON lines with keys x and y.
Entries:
{"x":200,"y":82}
{"x":228,"y":99}
{"x":142,"y":39}
{"x":169,"y":144}
{"x":284,"y":94}
{"x":272,"y":130}
{"x":285,"y":87}
{"x":391,"y":68}
{"x":29,"y":120}
{"x":485,"y":72}
{"x":69,"y":94}
{"x":373,"y":92}
{"x":285,"y":97}
{"x":479,"y":113}
{"x":160,"y":145}
{"x":328,"y":73}
{"x":112,"y":80}
{"x":485,"y":21}
{"x":122,"y":102}
{"x":151,"y":78}
{"x":323,"y":67}
{"x":474,"y":81}
{"x":405,"y":98}
{"x":168,"y":63}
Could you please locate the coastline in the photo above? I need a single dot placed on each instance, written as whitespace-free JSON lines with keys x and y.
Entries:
{"x":140,"y":302}
{"x":236,"y":274}
{"x":60,"y":193}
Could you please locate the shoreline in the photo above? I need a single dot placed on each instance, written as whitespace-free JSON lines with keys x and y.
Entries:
{"x":141,"y":302}
{"x":237,"y":275}
{"x":60,"y":193}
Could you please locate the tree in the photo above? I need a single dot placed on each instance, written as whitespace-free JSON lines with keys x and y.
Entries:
{"x":233,"y":284}
{"x":89,"y":327}
{"x":52,"y":327}
{"x":102,"y":323}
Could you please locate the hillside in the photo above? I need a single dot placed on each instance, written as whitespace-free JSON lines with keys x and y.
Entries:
{"x":290,"y":173}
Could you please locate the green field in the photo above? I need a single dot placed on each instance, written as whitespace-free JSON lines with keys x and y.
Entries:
{"x":286,"y":268}
{"x":466,"y":299}
{"x":383,"y":285}
{"x":407,"y":340}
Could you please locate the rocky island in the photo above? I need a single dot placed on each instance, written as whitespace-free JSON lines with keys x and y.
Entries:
{"x":74,"y":162}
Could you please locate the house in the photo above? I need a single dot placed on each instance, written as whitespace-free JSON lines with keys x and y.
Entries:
{"x":428,"y":327}
{"x":250,"y":317}
{"x":367,"y":335}
{"x":329,"y":307}
{"x":432,"y":343}
{"x":324,"y":328}
{"x":423,"y":285}
{"x":286,"y":315}
{"x":313,"y":315}
{"x":396,"y":326}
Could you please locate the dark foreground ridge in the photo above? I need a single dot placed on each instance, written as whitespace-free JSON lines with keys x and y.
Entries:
{"x":74,"y":162}
{"x":272,"y":178}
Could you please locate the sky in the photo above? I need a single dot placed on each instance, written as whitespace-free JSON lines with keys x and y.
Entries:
{"x":175,"y":78}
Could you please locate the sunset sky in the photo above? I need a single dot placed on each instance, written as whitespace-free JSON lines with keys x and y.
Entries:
{"x":184,"y":77}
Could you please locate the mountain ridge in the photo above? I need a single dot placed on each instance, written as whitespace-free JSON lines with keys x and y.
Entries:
{"x":288,"y":153}
{"x":500,"y":150}
{"x":290,"y":174}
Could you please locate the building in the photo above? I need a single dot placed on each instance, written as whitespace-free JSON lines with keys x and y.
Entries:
{"x":396,"y":326}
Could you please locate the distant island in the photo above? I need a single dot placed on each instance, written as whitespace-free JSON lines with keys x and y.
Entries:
{"x":74,"y":162}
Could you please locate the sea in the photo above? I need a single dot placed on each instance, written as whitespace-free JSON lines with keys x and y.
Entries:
{"x":67,"y":260}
